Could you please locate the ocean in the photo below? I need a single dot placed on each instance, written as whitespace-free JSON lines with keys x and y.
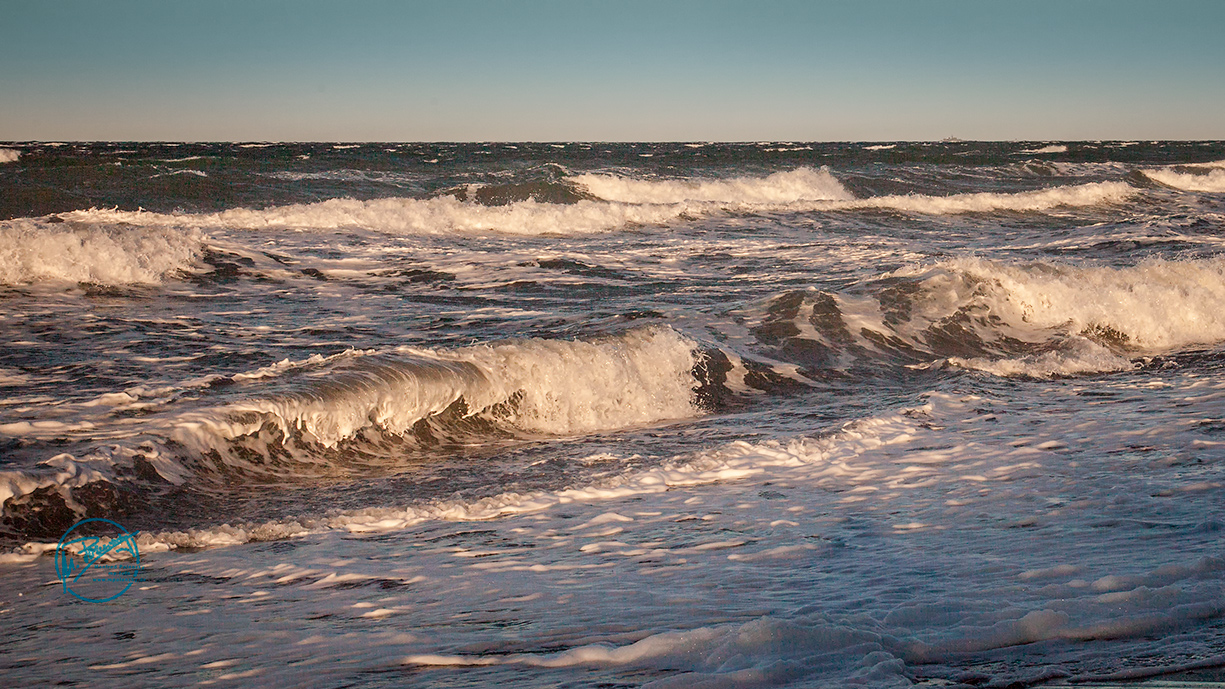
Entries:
{"x":615,"y":415}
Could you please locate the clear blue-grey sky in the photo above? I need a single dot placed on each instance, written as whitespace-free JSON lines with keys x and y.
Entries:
{"x":479,"y":70}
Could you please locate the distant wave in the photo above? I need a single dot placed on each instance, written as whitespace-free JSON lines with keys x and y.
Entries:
{"x":801,"y":184}
{"x":8,"y":155}
{"x":592,"y":203}
{"x":1091,"y":194}
{"x":37,"y":251}
{"x":440,"y":215}
{"x":1054,"y":148}
{"x":808,"y":189}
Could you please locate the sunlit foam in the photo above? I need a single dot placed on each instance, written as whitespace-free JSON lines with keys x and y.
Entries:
{"x":35,"y":251}
{"x":1211,"y":181}
{"x":801,"y":184}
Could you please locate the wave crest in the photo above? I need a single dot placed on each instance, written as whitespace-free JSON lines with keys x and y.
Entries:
{"x":538,"y":386}
{"x":36,"y":251}
{"x":1212,"y":181}
{"x":439,"y":215}
{"x":1091,"y":194}
{"x":593,"y":203}
{"x":1157,"y":305}
{"x":1036,"y":319}
{"x":801,"y":184}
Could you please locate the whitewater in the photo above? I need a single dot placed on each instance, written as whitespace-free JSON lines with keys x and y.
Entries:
{"x":793,"y":414}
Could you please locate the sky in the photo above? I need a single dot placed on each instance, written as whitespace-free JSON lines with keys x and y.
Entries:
{"x":618,"y":70}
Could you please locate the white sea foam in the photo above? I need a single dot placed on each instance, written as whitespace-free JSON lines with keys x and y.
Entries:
{"x":8,"y":155}
{"x":880,"y":147}
{"x":801,"y":184}
{"x":1079,"y":356}
{"x":543,"y":386}
{"x":1090,"y":194}
{"x":1157,"y":305}
{"x":807,"y":189}
{"x":35,"y":251}
{"x":1213,"y":181}
{"x":197,"y":173}
{"x":441,"y":215}
{"x":1053,"y":148}
{"x":625,"y":202}
{"x":765,"y":652}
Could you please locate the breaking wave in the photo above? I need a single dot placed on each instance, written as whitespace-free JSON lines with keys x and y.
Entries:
{"x":439,"y":215}
{"x":8,"y":155}
{"x":801,"y":184}
{"x":1156,"y":306}
{"x":37,"y":251}
{"x":593,"y":203}
{"x":1212,"y":180}
{"x":555,"y":387}
{"x":1091,"y":194}
{"x":1036,"y":319}
{"x":1053,"y":148}
{"x":297,"y":415}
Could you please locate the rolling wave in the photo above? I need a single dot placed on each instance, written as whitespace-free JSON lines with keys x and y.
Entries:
{"x":298,"y":420}
{"x":37,"y":251}
{"x":1036,"y":319}
{"x":439,"y":215}
{"x":1090,"y":194}
{"x":801,"y":184}
{"x":1212,"y":180}
{"x":539,"y":386}
{"x":592,"y":203}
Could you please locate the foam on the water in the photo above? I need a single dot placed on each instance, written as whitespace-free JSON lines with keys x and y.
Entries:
{"x":8,"y":155}
{"x":1212,"y":181}
{"x":1155,"y":306}
{"x":801,"y":184}
{"x":626,"y":202}
{"x":1077,"y":356}
{"x":808,"y":189}
{"x":1036,"y":319}
{"x":1053,"y":148}
{"x":1090,"y":194}
{"x":36,"y":251}
{"x":440,"y":215}
{"x":544,"y":386}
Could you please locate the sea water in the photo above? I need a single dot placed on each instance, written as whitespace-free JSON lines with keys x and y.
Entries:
{"x":583,"y":414}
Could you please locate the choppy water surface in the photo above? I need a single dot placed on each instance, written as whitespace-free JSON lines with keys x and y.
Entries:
{"x":632,"y":414}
